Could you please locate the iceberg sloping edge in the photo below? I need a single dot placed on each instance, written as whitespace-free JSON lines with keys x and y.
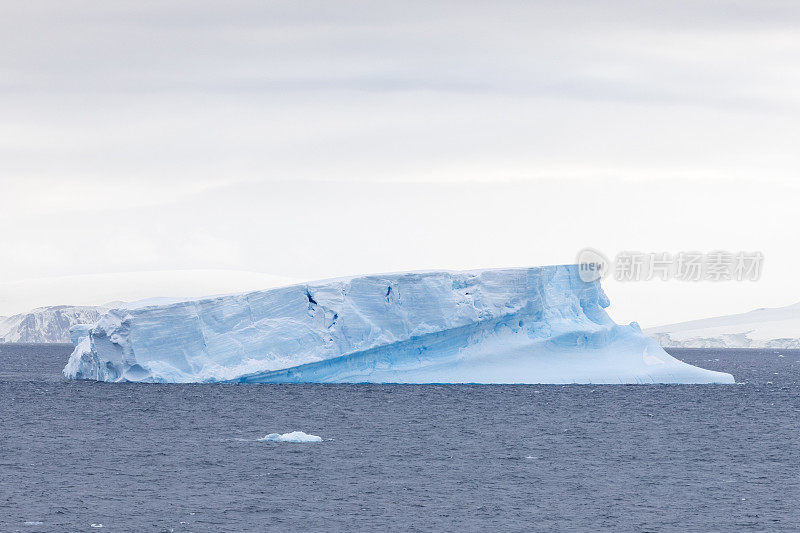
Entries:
{"x":524,"y":325}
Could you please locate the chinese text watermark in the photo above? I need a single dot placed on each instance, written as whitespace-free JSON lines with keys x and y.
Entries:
{"x":683,"y":266}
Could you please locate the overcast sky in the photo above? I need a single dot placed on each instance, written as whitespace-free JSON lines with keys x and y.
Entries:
{"x":308,"y":140}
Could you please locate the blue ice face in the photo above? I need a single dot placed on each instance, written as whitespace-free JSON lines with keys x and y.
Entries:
{"x":528,"y":325}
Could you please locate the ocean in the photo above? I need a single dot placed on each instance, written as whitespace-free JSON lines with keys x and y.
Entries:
{"x":85,"y":456}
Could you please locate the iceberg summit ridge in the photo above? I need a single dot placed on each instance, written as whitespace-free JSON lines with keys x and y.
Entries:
{"x":521,"y":325}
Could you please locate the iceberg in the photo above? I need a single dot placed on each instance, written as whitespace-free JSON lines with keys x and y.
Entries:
{"x":522,"y":325}
{"x":294,"y":436}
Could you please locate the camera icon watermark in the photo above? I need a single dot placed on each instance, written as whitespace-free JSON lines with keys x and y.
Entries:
{"x":718,"y":265}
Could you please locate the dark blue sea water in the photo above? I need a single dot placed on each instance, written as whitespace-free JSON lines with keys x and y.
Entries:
{"x":138,"y":457}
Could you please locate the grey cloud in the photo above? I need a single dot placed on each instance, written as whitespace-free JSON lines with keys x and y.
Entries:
{"x":625,"y":51}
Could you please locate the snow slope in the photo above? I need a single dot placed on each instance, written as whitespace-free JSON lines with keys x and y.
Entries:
{"x":763,"y":328}
{"x":528,"y":325}
{"x":47,"y":324}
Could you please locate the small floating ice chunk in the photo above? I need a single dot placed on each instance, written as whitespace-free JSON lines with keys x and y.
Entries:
{"x":294,"y":436}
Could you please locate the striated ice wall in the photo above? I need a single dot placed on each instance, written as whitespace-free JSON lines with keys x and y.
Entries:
{"x":527,"y":325}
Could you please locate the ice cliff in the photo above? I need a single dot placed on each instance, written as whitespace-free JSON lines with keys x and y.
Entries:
{"x":529,"y":325}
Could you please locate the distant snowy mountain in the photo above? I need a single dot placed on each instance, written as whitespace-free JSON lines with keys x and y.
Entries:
{"x":19,"y":296}
{"x":51,"y":324}
{"x":777,"y":327}
{"x":47,"y":324}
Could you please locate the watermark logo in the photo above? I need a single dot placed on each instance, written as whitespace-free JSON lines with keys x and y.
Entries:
{"x":684,"y":266}
{"x":592,"y":265}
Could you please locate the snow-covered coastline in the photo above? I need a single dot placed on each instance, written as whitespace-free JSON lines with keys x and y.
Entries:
{"x":777,"y":327}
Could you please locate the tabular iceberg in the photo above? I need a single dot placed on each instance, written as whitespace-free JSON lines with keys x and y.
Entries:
{"x":527,"y":325}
